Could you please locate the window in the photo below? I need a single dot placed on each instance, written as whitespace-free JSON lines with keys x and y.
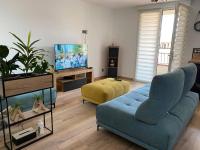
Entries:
{"x":149,"y":38}
{"x":148,"y":42}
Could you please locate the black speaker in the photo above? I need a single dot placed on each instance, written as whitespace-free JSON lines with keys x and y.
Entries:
{"x":113,"y":62}
{"x":113,"y":52}
{"x":112,"y":72}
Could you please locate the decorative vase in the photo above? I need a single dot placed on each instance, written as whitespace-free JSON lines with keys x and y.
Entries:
{"x":38,"y":106}
{"x":112,"y":63}
{"x":16,"y":114}
{"x":40,"y":128}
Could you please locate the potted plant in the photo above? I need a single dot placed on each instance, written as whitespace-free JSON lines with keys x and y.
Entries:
{"x":42,"y":67}
{"x":7,"y":66}
{"x":16,"y":113}
{"x":30,"y":57}
{"x":38,"y":105}
{"x":34,"y":65}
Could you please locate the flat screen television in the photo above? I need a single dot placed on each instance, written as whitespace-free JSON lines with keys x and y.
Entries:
{"x":69,"y":56}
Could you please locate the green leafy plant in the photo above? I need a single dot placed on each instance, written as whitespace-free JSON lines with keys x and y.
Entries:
{"x":16,"y":106}
{"x":43,"y":67}
{"x":7,"y":66}
{"x":38,"y":97}
{"x":29,"y":56}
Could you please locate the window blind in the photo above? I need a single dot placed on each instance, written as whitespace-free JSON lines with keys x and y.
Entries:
{"x":179,"y":37}
{"x":148,"y":40}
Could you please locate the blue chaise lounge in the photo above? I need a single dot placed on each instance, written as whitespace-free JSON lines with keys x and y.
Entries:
{"x":153,"y":116}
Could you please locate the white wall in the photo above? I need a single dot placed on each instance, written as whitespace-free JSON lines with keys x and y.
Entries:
{"x":60,"y":21}
{"x":193,"y":37}
{"x":125,"y":36}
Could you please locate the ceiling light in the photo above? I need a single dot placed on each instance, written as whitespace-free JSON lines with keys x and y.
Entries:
{"x":155,"y":1}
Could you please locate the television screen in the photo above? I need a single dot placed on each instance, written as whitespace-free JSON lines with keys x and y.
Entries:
{"x":70,"y":56}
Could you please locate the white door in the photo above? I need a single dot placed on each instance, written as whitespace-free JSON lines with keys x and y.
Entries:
{"x":178,"y":43}
{"x":148,"y":44}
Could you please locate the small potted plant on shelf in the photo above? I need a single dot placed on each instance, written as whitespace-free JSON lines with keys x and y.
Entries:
{"x":33,"y":64}
{"x":38,"y":105}
{"x":15,"y":112}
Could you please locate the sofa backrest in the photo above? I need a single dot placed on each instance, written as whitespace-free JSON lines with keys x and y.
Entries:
{"x":166,"y":90}
{"x":190,"y":71}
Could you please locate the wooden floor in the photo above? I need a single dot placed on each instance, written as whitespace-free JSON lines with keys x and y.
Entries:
{"x":75,"y":129}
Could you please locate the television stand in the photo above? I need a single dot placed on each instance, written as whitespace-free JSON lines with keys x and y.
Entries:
{"x":70,"y":79}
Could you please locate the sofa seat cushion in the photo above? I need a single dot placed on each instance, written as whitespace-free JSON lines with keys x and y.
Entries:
{"x":185,"y":108}
{"x":129,"y":102}
{"x":119,"y":114}
{"x":103,"y":90}
{"x":144,"y":90}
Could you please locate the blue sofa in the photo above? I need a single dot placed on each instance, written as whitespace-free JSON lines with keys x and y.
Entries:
{"x":155,"y":115}
{"x":26,"y":100}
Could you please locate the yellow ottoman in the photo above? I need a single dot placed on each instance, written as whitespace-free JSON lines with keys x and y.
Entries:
{"x":104,"y":90}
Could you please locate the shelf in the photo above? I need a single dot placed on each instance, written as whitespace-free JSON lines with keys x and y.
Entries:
{"x":112,"y":57}
{"x":65,"y":81}
{"x":15,"y":87}
{"x":112,"y":67}
{"x":19,"y":147}
{"x":28,"y":115}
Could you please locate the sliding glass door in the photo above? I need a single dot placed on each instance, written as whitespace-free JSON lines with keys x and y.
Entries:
{"x":149,"y":38}
{"x":165,"y":41}
{"x":148,"y":43}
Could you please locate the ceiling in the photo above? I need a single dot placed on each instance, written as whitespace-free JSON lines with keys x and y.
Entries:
{"x":122,"y":3}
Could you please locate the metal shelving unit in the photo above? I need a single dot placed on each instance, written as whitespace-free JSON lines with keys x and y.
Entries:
{"x":39,"y":83}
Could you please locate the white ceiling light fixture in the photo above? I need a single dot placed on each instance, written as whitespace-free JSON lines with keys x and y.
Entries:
{"x":156,"y":1}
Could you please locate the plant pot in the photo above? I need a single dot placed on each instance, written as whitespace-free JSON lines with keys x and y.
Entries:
{"x":15,"y":114}
{"x":25,"y":83}
{"x":38,"y":107}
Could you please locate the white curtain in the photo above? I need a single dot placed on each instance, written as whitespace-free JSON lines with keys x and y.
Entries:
{"x":179,"y":36}
{"x":148,"y":42}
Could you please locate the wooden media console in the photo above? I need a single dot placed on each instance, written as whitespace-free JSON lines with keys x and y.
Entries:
{"x":66,"y":80}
